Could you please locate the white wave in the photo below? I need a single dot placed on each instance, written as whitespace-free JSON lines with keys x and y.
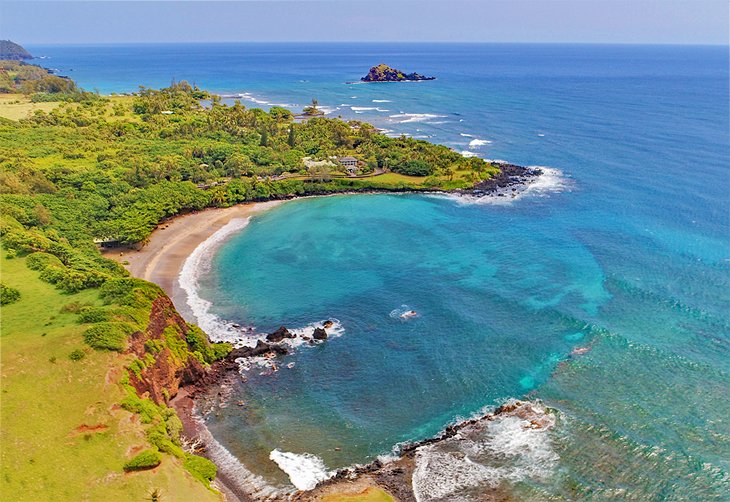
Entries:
{"x":476,"y":143}
{"x":512,"y":447}
{"x":328,"y":109}
{"x":551,"y":180}
{"x":437,"y":122}
{"x":466,"y":135}
{"x":382,"y":101}
{"x":541,"y":135}
{"x":467,"y":153}
{"x":305,"y":470}
{"x":233,"y":470}
{"x":198,"y":263}
{"x":362,"y":108}
{"x":415,"y":117}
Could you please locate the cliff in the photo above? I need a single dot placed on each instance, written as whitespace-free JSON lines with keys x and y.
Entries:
{"x":384,"y":73}
{"x":12,"y":51}
{"x":165,"y":354}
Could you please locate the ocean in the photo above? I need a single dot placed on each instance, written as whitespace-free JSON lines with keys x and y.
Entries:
{"x":602,"y":294}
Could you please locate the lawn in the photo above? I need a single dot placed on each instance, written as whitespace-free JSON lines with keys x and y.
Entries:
{"x":64,"y":436}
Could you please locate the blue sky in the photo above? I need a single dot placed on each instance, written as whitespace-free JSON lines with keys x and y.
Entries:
{"x":583,"y":21}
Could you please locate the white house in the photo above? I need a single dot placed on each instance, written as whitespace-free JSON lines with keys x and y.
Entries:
{"x":349,"y":163}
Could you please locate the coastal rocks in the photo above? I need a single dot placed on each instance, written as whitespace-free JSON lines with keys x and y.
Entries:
{"x":384,"y":73}
{"x":319,"y":334}
{"x":279,"y":335}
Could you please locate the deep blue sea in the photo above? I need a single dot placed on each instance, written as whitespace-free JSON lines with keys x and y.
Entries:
{"x":604,"y":295}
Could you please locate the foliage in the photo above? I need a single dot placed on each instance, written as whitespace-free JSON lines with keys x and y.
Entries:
{"x":76,"y":354}
{"x":200,"y":467}
{"x":209,"y":352}
{"x":147,"y":459}
{"x":8,"y":295}
{"x":108,"y":335}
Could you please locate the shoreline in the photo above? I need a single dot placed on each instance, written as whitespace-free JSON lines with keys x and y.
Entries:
{"x":162,"y":261}
{"x":173,"y":241}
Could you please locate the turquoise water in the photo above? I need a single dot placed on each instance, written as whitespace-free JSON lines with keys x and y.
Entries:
{"x":625,"y":253}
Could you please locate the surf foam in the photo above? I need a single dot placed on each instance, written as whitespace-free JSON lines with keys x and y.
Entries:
{"x":513,"y":446}
{"x":198,"y":263}
{"x":305,"y":470}
{"x":476,"y":143}
{"x":415,"y":117}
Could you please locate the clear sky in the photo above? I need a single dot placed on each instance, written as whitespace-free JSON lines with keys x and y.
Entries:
{"x":585,"y":21}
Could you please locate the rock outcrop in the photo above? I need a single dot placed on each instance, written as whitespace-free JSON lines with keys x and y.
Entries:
{"x":279,"y":335}
{"x":384,"y":73}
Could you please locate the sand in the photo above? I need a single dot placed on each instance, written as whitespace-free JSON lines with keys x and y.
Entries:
{"x":162,"y":258}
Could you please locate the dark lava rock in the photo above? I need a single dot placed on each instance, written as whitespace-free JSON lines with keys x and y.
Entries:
{"x":384,"y":73}
{"x":327,"y":324}
{"x":319,"y":334}
{"x":279,"y":335}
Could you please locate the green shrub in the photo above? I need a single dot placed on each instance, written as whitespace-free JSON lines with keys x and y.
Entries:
{"x":76,"y":355}
{"x":147,"y":459}
{"x":8,"y":295}
{"x":201,"y":468}
{"x":205,"y":351}
{"x":40,"y":261}
{"x":108,"y":335}
{"x":94,"y":315}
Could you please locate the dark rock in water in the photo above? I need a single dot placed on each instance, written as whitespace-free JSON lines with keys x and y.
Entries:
{"x":328,"y":324}
{"x":384,"y":73}
{"x":279,"y":335}
{"x":319,"y":334}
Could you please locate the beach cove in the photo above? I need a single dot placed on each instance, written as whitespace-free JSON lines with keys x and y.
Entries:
{"x":607,"y":300}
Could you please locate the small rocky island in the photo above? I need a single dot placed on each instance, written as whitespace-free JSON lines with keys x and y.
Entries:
{"x":384,"y":73}
{"x":13,"y":52}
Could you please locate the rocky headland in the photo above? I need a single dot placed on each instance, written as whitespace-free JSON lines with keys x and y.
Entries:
{"x":384,"y":73}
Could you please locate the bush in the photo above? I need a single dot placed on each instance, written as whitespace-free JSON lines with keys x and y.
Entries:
{"x":8,"y":295}
{"x":415,"y":167}
{"x":76,"y":355}
{"x":201,"y":468}
{"x":210,"y":352}
{"x":94,"y":315}
{"x":108,"y":335}
{"x":40,"y":261}
{"x":148,"y":459}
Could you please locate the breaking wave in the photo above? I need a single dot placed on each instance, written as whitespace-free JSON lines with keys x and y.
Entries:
{"x":510,"y":447}
{"x":305,"y":470}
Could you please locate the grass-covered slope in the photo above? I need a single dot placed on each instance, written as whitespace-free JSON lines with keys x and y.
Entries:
{"x":64,"y":433}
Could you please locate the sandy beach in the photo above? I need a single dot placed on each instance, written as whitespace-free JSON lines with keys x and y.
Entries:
{"x":161,"y":260}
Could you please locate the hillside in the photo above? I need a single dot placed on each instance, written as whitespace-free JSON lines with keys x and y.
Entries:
{"x":12,"y":51}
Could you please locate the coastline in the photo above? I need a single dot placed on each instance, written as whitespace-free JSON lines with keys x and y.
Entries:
{"x":181,"y":243}
{"x":161,"y":260}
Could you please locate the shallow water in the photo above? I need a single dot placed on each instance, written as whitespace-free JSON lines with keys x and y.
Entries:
{"x":625,"y":253}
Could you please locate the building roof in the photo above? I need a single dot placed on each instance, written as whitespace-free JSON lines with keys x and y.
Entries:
{"x":347,"y":159}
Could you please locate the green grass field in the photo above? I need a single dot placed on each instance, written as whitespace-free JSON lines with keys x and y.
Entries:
{"x":64,"y":436}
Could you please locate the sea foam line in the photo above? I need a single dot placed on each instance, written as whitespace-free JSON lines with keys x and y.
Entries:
{"x":198,"y":263}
